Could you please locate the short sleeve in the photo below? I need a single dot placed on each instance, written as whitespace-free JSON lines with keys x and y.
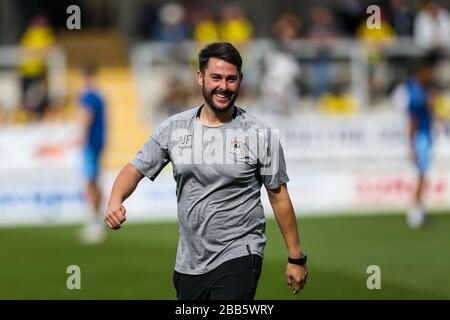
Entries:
{"x":153,"y":156}
{"x":271,"y":161}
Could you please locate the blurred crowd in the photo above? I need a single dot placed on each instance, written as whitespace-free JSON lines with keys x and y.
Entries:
{"x":288,"y":72}
{"x":175,"y":22}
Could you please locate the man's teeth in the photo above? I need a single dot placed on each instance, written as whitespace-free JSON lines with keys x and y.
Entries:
{"x":221,"y":95}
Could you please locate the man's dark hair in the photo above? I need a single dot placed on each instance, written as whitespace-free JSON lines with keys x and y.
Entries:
{"x":221,"y":50}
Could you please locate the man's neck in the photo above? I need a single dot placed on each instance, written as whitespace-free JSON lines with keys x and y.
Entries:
{"x":215,"y":119}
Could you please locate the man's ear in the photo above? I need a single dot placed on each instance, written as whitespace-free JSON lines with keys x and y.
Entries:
{"x":199,"y":75}
{"x":241,"y":76}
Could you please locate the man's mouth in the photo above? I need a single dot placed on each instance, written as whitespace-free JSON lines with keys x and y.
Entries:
{"x":222,"y":96}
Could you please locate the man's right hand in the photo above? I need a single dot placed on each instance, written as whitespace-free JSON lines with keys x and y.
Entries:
{"x":115,"y":216}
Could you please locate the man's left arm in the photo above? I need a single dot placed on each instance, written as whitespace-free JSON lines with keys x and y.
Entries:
{"x":280,"y":201}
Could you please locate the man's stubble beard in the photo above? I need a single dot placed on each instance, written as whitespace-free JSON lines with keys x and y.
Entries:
{"x":209,"y":99}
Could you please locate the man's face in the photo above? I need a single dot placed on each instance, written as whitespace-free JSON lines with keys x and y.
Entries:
{"x":220,"y":84}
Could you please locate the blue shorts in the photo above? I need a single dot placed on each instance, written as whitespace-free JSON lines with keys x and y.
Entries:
{"x":91,"y":162}
{"x":422,"y":146}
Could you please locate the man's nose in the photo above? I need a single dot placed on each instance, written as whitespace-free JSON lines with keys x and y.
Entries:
{"x":223,"y":85}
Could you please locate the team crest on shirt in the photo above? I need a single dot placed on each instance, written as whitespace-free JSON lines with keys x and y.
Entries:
{"x":238,"y":147}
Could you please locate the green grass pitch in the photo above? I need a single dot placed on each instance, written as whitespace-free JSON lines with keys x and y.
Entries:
{"x":137,"y":261}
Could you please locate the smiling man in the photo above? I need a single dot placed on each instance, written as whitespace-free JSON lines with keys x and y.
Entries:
{"x":221,"y":157}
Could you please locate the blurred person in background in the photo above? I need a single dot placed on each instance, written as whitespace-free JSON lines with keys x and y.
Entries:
{"x":206,"y":28}
{"x":146,"y":17}
{"x":337,"y":101}
{"x":349,"y":14}
{"x":432,"y":27}
{"x":376,"y":42}
{"x":234,"y":26}
{"x":221,"y":219}
{"x":420,"y":89}
{"x":401,"y":17}
{"x":280,"y":91}
{"x":35,"y":44}
{"x":322,"y":32}
{"x":93,"y":118}
{"x":173,"y":30}
{"x":172,"y":25}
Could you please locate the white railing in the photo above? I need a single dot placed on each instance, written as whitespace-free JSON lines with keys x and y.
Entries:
{"x":147,"y":57}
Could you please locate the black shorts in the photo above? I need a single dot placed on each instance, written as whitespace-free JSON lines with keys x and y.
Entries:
{"x":235,"y":279}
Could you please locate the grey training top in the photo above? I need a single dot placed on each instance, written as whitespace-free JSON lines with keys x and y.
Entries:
{"x":219,"y":172}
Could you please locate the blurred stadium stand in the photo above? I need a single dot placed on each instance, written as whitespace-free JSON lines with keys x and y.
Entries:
{"x":306,"y":64}
{"x":126,"y":129}
{"x":333,"y":88}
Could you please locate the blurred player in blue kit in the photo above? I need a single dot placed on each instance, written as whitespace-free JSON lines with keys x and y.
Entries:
{"x":420,"y":112}
{"x":92,"y":107}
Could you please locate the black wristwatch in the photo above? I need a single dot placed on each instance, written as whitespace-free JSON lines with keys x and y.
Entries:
{"x":301,"y":261}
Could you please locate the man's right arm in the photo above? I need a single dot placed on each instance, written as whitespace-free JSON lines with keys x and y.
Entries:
{"x":124,"y":185}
